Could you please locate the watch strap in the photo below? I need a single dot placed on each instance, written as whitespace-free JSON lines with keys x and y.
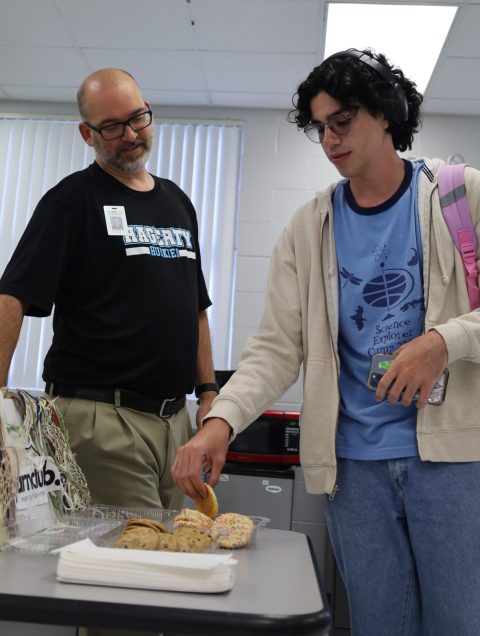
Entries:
{"x":208,"y":386}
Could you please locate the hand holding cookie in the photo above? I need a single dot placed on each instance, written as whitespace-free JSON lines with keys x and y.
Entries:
{"x":208,"y":505}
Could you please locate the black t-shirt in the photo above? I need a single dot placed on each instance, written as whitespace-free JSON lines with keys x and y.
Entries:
{"x":126,"y":307}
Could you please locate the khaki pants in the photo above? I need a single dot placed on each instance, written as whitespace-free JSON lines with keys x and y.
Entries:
{"x":126,"y":455}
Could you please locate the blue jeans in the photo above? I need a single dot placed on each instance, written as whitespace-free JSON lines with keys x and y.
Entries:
{"x":406,"y":536}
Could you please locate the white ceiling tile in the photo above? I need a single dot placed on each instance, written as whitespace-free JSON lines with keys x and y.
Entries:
{"x":42,"y":66}
{"x":128,"y":24}
{"x":252,"y":100}
{"x":32,"y":23}
{"x":256,"y":72}
{"x":42,"y":93}
{"x":453,"y":79}
{"x":163,"y":70}
{"x":258,"y":25}
{"x":238,"y":53}
{"x":463,"y":37}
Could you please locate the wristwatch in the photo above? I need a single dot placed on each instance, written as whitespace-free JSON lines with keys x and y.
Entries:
{"x":209,"y":386}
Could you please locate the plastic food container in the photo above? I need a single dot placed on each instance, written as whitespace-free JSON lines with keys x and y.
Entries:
{"x":167,"y":517}
{"x":101,"y":524}
{"x":42,"y":535}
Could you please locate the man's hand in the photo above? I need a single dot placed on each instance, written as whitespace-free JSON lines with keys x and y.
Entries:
{"x":206,"y":451}
{"x":417,"y":366}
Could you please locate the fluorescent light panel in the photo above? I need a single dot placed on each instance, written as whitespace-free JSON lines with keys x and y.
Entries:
{"x":410,"y":36}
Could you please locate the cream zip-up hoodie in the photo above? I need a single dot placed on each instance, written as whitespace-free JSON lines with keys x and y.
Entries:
{"x":300,"y":325}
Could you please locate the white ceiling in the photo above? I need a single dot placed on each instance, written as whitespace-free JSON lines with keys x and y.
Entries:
{"x":235,"y":53}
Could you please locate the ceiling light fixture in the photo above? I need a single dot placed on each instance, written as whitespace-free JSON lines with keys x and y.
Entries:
{"x":411,"y":36}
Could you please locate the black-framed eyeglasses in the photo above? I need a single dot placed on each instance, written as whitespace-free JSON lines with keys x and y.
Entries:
{"x":339,"y":124}
{"x":117,"y":129}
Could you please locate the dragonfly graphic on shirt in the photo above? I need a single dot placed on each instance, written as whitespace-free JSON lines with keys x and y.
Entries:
{"x":349,"y":278}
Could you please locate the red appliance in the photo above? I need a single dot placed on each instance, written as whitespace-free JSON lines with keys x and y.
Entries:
{"x":273,"y":438}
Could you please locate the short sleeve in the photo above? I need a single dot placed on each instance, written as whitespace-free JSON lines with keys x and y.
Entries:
{"x":39,"y":264}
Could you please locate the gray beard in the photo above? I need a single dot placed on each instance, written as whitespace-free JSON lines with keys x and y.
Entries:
{"x":131,"y":167}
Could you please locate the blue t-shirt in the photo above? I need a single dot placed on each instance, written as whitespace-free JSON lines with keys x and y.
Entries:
{"x":379,"y":256}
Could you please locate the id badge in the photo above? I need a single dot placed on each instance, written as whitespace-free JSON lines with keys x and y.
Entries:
{"x":116,"y":220}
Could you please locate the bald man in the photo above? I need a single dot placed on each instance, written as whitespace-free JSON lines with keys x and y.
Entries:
{"x":114,"y":252}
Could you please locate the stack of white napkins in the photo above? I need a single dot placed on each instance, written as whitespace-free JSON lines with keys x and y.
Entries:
{"x":84,"y":562}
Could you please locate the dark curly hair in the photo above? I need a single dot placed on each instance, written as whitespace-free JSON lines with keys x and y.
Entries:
{"x":353,"y":82}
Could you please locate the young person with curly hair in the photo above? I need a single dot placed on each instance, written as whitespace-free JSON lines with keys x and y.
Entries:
{"x":366,"y":267}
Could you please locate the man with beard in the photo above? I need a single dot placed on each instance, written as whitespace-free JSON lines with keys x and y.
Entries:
{"x":115,"y":251}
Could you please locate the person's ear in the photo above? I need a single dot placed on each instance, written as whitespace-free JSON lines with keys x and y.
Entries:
{"x":86,"y":132}
{"x":149,"y":106}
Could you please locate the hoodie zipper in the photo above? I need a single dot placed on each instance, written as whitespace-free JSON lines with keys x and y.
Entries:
{"x":331,"y":496}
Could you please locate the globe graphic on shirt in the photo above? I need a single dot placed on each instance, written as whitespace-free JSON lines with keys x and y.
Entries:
{"x":388,"y":290}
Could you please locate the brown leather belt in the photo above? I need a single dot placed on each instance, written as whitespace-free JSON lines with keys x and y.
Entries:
{"x":165,"y":407}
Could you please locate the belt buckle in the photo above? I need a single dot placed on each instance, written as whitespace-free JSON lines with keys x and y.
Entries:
{"x":164,"y":405}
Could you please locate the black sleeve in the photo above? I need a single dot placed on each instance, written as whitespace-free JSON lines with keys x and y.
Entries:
{"x":40,"y":262}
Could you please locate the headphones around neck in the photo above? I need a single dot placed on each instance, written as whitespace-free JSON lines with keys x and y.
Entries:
{"x":401,"y":103}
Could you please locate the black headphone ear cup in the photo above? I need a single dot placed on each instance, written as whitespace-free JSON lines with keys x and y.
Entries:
{"x":402,"y":103}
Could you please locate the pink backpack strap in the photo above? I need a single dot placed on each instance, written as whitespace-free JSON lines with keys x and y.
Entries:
{"x":453,"y":199}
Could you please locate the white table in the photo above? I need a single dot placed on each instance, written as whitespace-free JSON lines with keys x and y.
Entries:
{"x":277,"y":591}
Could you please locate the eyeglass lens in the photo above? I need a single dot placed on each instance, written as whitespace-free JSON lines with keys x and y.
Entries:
{"x":138,"y":122}
{"x":338,"y":124}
